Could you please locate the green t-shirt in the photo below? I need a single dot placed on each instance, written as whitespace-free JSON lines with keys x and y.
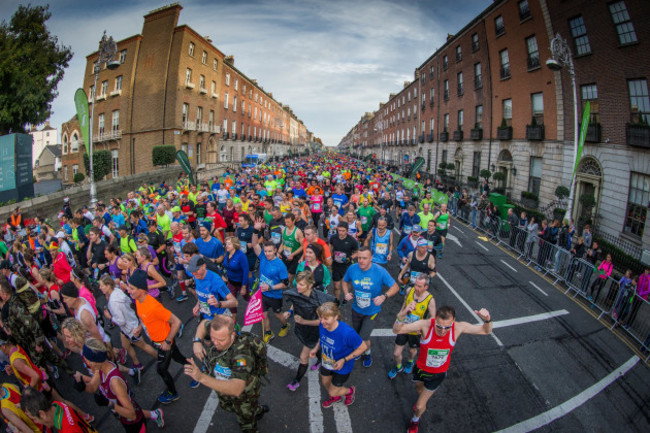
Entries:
{"x":3,"y":248}
{"x":424,"y":219}
{"x":164,"y":224}
{"x":366,"y":214}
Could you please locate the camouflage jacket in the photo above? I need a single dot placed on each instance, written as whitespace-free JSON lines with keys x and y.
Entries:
{"x":22,"y":325}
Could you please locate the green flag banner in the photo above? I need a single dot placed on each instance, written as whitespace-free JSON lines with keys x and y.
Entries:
{"x":81,"y":104}
{"x":583,"y":134}
{"x":437,"y":196}
{"x":417,"y":165}
{"x":184,"y":161}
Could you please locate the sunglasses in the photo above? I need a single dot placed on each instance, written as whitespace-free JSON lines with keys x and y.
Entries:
{"x":444,"y":327}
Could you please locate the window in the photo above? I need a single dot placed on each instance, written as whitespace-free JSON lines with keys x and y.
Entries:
{"x":476,"y":164}
{"x":225,"y":101}
{"x":535,"y":177}
{"x":478,"y":117}
{"x":431,"y":72}
{"x":461,"y":119}
{"x":204,"y":58}
{"x":122,"y":56}
{"x":214,"y":64}
{"x":118,"y":83}
{"x":236,"y":83}
{"x":234,"y":127}
{"x":460,"y":84}
{"x":537,"y":104}
{"x":589,"y":92}
{"x":116,"y":120}
{"x":74,"y":144}
{"x":505,"y":64}
{"x":639,"y":101}
{"x":199,"y":116}
{"x":211,"y":119}
{"x":188,"y":76}
{"x":446,"y":122}
{"x":445,"y":63}
{"x":202,"y":82}
{"x":104,"y":88}
{"x":499,"y":27}
{"x":227,"y":79}
{"x":624,"y":27}
{"x":446,"y":90}
{"x":580,"y":38}
{"x":190,"y":51}
{"x":444,"y":156}
{"x":115,"y":163}
{"x":92,"y":92}
{"x":459,"y":53}
{"x":507,"y":109}
{"x":431,"y":124}
{"x":475,"y":45}
{"x":214,"y":87}
{"x":186,"y":109}
{"x":243,"y":107}
{"x":637,"y":204}
{"x":75,"y":170}
{"x":100,"y":124}
{"x":478,"y":77}
{"x":65,"y":173}
{"x":198,"y":153}
{"x":533,"y":53}
{"x":234,"y":103}
{"x":524,"y":10}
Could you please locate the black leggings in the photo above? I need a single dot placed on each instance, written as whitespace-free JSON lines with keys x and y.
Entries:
{"x":162,"y":365}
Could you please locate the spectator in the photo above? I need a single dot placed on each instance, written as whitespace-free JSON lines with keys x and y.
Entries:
{"x":604,"y":271}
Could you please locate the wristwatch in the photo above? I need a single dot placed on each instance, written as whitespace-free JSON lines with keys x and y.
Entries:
{"x":168,"y":342}
{"x":196,"y":340}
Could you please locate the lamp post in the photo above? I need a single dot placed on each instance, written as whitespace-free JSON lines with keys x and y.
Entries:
{"x":561,"y":56}
{"x":106,"y":54}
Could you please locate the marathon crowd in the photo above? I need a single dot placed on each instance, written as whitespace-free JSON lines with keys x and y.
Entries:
{"x":313,"y":236}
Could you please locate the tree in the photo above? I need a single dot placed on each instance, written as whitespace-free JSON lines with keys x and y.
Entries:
{"x":101,"y":164}
{"x":31,"y":66}
{"x":163,"y":155}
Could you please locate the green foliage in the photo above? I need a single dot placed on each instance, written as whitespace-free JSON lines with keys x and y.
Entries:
{"x":561,"y":192}
{"x":533,"y":121}
{"x":31,"y":66}
{"x":485,"y":173}
{"x":498,"y":175}
{"x":622,"y":261}
{"x":442,"y":166}
{"x":163,"y":155}
{"x":79,"y":177}
{"x":101,"y":164}
{"x":588,"y":200}
{"x":503,"y":125}
{"x":472,"y":178}
{"x":451,"y":166}
{"x":529,"y":195}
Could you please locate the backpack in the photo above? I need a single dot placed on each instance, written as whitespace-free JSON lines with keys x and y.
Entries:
{"x":261,"y":367}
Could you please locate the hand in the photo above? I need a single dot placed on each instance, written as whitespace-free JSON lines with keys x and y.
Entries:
{"x":78,"y":376}
{"x":137,"y":331}
{"x":199,"y":350}
{"x":286,"y":315}
{"x":264,"y":287}
{"x":195,"y":310}
{"x":483,"y":314}
{"x":224,"y":278}
{"x":404,"y":260}
{"x":164,"y":346}
{"x":339,"y":364}
{"x":10,"y":370}
{"x":379,"y":300}
{"x":192,"y":370}
{"x":349,"y":297}
{"x":389,"y":256}
{"x":243,"y":290}
{"x":38,"y":348}
{"x":298,"y":319}
{"x":312,"y":353}
{"x":107,"y":314}
{"x":410,"y":307}
{"x":213,"y":301}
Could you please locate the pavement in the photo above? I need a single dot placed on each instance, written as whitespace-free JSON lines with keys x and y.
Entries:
{"x":548,"y":366}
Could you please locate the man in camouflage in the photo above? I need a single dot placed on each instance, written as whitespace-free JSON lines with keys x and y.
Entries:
{"x":235,"y":369}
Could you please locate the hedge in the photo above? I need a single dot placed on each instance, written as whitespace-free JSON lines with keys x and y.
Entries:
{"x":163,"y":155}
{"x":101,"y":164}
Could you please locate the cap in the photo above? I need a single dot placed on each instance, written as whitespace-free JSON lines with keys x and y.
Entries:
{"x":60,"y":235}
{"x":195,"y":263}
{"x":206,"y":225}
{"x":176,"y":209}
{"x":138,"y":279}
{"x":69,"y":290}
{"x":143,"y":237}
{"x":422,"y":242}
{"x":417,"y":228}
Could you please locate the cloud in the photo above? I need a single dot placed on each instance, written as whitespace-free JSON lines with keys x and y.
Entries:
{"x":331,"y":61}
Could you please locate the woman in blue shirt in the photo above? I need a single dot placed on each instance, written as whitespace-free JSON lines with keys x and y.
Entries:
{"x":236,"y":264}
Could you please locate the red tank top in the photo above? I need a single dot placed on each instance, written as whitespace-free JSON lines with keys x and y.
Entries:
{"x":105,"y":389}
{"x":435,"y":351}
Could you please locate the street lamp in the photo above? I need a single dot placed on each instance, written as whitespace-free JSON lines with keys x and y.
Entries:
{"x":106,"y":54}
{"x":560,"y":57}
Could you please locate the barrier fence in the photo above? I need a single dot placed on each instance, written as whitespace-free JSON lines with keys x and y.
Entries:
{"x":617,"y":302}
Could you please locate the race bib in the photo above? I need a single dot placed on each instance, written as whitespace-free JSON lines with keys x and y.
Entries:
{"x":442,"y":225}
{"x":407,"y":229}
{"x":382,"y":248}
{"x":339,"y":257}
{"x":276,"y":238}
{"x":287,"y":252}
{"x":364,"y":220}
{"x":243,"y":247}
{"x":221,"y":373}
{"x":317,"y":207}
{"x":436,"y":358}
{"x":204,"y":308}
{"x":414,"y":275}
{"x":410,"y":318}
{"x":327,"y":362}
{"x":430,"y":245}
{"x":363,"y":299}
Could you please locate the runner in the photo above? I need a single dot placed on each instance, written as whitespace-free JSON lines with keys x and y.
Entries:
{"x":344,"y":250}
{"x":443,"y":222}
{"x":381,"y":242}
{"x":53,"y":414}
{"x":291,"y":247}
{"x":418,"y":262}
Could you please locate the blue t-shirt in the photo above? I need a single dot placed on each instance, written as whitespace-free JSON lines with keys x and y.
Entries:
{"x":299,"y":192}
{"x":272,"y":272}
{"x":118,"y":220}
{"x":212,"y":284}
{"x":338,"y":344}
{"x":212,"y":249}
{"x":367,"y":285}
{"x":340,"y":200}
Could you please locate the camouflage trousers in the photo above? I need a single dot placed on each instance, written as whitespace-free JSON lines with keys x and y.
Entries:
{"x":247,"y":410}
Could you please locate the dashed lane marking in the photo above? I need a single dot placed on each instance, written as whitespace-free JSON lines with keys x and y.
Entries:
{"x":538,"y":288}
{"x":481,"y":245}
{"x":511,"y":268}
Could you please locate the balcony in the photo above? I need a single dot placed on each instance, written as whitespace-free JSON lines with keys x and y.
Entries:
{"x":458,"y":135}
{"x":202,"y":127}
{"x":430,"y":137}
{"x":637,"y":135}
{"x":534,"y":132}
{"x":533,"y":62}
{"x":478,"y":82}
{"x":505,"y":72}
{"x":214,"y":95}
{"x":234,"y":136}
{"x":499,"y":30}
{"x":203,"y":90}
{"x":504,"y":133}
{"x":226,"y":135}
{"x":117,"y":92}
{"x":114,"y":134}
{"x":190,"y":126}
{"x":250,"y":138}
{"x":446,"y":95}
{"x":460,"y":89}
{"x":593,"y":133}
{"x":475,"y":46}
{"x":189,"y":85}
{"x":476,"y":134}
{"x":444,"y":136}
{"x":421,"y":138}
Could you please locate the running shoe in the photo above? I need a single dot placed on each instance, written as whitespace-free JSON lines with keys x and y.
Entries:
{"x":408,"y":368}
{"x":194,"y":384}
{"x":413,"y":427}
{"x":367,"y":360}
{"x":330,"y":401}
{"x":263,"y":410}
{"x":121,"y":357}
{"x":349,"y":397}
{"x":268,"y":336}
{"x":316,"y":366}
{"x":183,"y":297}
{"x":294,"y":385}
{"x":394,"y":372}
{"x":89,"y":418}
{"x":137,"y":375}
{"x":160,"y":421}
{"x":180,"y":330}
{"x":284,"y":331}
{"x":167,"y":397}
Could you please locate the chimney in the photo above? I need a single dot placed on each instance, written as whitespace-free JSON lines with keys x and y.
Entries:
{"x":230,"y":60}
{"x":207,"y":38}
{"x":406,"y":84}
{"x":449,"y":36}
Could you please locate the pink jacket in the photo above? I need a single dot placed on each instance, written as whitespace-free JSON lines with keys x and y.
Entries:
{"x":643,"y":286}
{"x":607,"y":268}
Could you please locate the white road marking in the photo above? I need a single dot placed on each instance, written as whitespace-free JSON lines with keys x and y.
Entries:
{"x":281,"y":357}
{"x":505,"y":263}
{"x":315,"y":411}
{"x":466,"y":305}
{"x":211,"y":405}
{"x":453,"y":238}
{"x":342,"y":418}
{"x":537,"y":287}
{"x":458,"y":229}
{"x":573,"y":403}
{"x":528,"y":319}
{"x":481,"y":245}
{"x":382,"y":333}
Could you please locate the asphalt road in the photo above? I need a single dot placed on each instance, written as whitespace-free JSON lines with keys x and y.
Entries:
{"x":555,"y":372}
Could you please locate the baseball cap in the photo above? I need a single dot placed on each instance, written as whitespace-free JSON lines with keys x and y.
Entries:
{"x":422,"y":242}
{"x":60,"y":235}
{"x":138,"y":279}
{"x":195,"y":263}
{"x":176,"y":209}
{"x":417,"y":228}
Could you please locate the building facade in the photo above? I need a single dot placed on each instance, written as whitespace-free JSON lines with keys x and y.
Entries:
{"x":487,"y":101}
{"x":47,"y":136}
{"x":174,"y":87}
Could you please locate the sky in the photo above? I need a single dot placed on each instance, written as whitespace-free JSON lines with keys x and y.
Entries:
{"x":330,"y":60}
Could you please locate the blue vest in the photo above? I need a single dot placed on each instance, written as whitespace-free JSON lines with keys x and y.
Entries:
{"x":380,"y":246}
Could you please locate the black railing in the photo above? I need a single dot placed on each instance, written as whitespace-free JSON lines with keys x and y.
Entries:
{"x":533,"y":62}
{"x":505,"y":72}
{"x":499,"y":30}
{"x":478,"y":81}
{"x":460,"y":89}
{"x":475,"y":46}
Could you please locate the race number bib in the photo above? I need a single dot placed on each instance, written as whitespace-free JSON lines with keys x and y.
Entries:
{"x":276,"y":238}
{"x":204,"y":308}
{"x":221,"y":373}
{"x":327,"y":362}
{"x":407,"y":229}
{"x":436,"y":358}
{"x":414,"y":275}
{"x":410,"y":318}
{"x":363,"y":299}
{"x":287,"y":252}
{"x":339,"y":257}
{"x":364,"y":220}
{"x":430,"y":245}
{"x":316,"y":207}
{"x":243,"y":247}
{"x":382,"y":248}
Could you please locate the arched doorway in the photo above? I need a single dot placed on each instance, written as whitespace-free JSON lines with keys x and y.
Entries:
{"x":588,"y":184}
{"x":504,"y":165}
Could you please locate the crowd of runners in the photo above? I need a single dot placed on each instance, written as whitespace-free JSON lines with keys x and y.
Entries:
{"x":312,"y":236}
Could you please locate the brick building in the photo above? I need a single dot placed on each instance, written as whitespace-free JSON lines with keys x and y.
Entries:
{"x":487,"y":101}
{"x":173,"y":87}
